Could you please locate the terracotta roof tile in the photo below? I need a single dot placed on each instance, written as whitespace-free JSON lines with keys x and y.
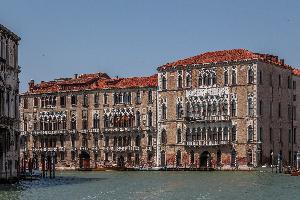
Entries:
{"x":225,"y":56}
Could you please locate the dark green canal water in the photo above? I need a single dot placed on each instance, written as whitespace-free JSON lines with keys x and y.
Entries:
{"x":157,"y":185}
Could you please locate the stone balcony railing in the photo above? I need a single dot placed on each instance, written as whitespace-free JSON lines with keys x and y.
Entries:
{"x":122,"y":149}
{"x":121,"y":129}
{"x":95,"y":148}
{"x":82,"y":148}
{"x":200,"y":118}
{"x":94,"y":130}
{"x":24,"y":133}
{"x":206,"y":143}
{"x":45,"y":149}
{"x":73,"y":131}
{"x":62,"y":148}
{"x":56,"y":132}
{"x":73,"y":148}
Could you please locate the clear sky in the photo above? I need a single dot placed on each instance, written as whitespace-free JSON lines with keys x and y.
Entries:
{"x":134,"y":37}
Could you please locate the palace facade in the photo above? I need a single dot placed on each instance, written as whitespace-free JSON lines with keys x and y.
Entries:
{"x":9,"y":105}
{"x":227,"y":109}
{"x":232,"y":109}
{"x":90,"y":120}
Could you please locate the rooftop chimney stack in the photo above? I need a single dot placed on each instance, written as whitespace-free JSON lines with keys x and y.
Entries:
{"x":282,"y":61}
{"x":75,"y":76}
{"x":31,"y":84}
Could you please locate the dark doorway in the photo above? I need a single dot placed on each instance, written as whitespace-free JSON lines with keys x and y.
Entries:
{"x":205,"y":159}
{"x":84,"y":160}
{"x":219,"y":158}
{"x":163,"y":159}
{"x":120,"y":161}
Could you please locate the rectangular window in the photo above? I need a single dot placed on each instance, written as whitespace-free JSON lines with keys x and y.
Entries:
{"x":295,"y":135}
{"x":150,"y":99}
{"x":105,"y":98}
{"x":294,"y":112}
{"x":294,"y":97}
{"x":260,"y":136}
{"x":290,"y":135}
{"x":84,"y":119}
{"x":63,"y":101}
{"x":74,"y":100}
{"x":271,"y":134}
{"x":85,"y":102}
{"x":271,"y":109}
{"x":35,"y":102}
{"x":289,"y":82}
{"x":279,"y":80}
{"x":25,"y":103}
{"x":294,"y":85}
{"x":138,"y":97}
{"x":260,"y":78}
{"x":280,"y":135}
{"x":261,"y":107}
{"x":96,"y":99}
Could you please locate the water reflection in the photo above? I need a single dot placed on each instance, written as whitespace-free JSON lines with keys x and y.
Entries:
{"x":157,"y":185}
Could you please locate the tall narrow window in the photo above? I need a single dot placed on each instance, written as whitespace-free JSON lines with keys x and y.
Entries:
{"x":260,"y":78}
{"x":96,"y":120}
{"x":188,"y":80}
{"x":150,"y":98}
{"x":233,"y":133}
{"x":150,"y":118}
{"x":25,"y":103}
{"x":260,"y":135}
{"x":84,"y":119}
{"x":200,"y":80}
{"x":36,"y":102}
{"x":179,"y":79}
{"x":164,"y":111}
{"x":250,"y":76}
{"x":138,"y":97}
{"x":279,"y":80}
{"x":74,"y":100}
{"x":233,"y":108}
{"x":163,"y":137}
{"x":279,"y":109}
{"x":105,"y":98}
{"x":179,"y":110}
{"x":164,"y":83}
{"x":261,"y":107}
{"x":250,"y":107}
{"x":226,"y":78}
{"x":250,"y":133}
{"x":178,"y":136}
{"x":85,"y":100}
{"x":233,"y":77}
{"x":96,"y":99}
{"x":138,"y":118}
{"x":63,"y":101}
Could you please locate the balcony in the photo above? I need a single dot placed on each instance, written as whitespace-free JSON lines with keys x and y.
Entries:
{"x":24,"y":133}
{"x":84,"y":131}
{"x":73,"y":131}
{"x":73,"y":148}
{"x":44,"y":149}
{"x":62,"y":149}
{"x":199,"y":143}
{"x":82,"y":148}
{"x":200,"y":118}
{"x":149,"y":148}
{"x":95,"y":130}
{"x":57,"y":132}
{"x":121,"y":129}
{"x":122,"y":149}
{"x":95,"y":148}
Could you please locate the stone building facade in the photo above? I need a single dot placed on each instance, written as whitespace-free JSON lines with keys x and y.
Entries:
{"x":231,"y":109}
{"x":9,"y":104}
{"x":227,"y":109}
{"x":90,"y":120}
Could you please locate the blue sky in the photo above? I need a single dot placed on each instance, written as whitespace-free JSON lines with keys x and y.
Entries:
{"x":134,"y":37}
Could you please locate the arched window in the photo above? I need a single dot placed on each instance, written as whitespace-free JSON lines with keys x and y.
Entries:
{"x":213,"y":79}
{"x":178,"y":136}
{"x":194,"y":136}
{"x":250,"y":75}
{"x":225,"y":108}
{"x":188,"y":135}
{"x":233,"y":133}
{"x":249,"y":157}
{"x":138,"y":118}
{"x":164,"y":83}
{"x":96,"y":120}
{"x":200,"y":80}
{"x":226,"y":78}
{"x":164,"y":111}
{"x":233,"y":108}
{"x":188,"y":80}
{"x":179,"y":81}
{"x":188,"y":109}
{"x":250,"y":133}
{"x":225,"y":134}
{"x":162,"y":158}
{"x":179,"y":110}
{"x":163,"y":136}
{"x":149,"y":140}
{"x":233,"y":77}
{"x":198,"y":133}
{"x":250,"y":106}
{"x":233,"y":158}
{"x":205,"y":79}
{"x":150,"y":118}
{"x":214,"y":108}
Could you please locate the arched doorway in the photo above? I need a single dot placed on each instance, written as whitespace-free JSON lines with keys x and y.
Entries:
{"x":163,"y":159}
{"x":205,"y":159}
{"x":120,"y":161}
{"x":84,"y":160}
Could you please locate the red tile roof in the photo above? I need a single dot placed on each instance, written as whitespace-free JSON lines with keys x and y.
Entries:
{"x":92,"y":81}
{"x":225,"y":56}
{"x":296,"y":72}
{"x":132,"y":82}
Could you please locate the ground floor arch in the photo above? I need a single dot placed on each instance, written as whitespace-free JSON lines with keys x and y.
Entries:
{"x":84,"y":160}
{"x":205,"y":159}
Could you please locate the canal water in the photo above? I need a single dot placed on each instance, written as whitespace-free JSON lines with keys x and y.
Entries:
{"x":157,"y":185}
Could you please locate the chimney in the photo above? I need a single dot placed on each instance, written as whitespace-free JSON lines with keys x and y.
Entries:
{"x":75,"y":76}
{"x":282,"y":61}
{"x":31,"y":84}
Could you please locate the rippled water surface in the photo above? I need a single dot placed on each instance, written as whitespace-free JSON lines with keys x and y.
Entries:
{"x":157,"y":185}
